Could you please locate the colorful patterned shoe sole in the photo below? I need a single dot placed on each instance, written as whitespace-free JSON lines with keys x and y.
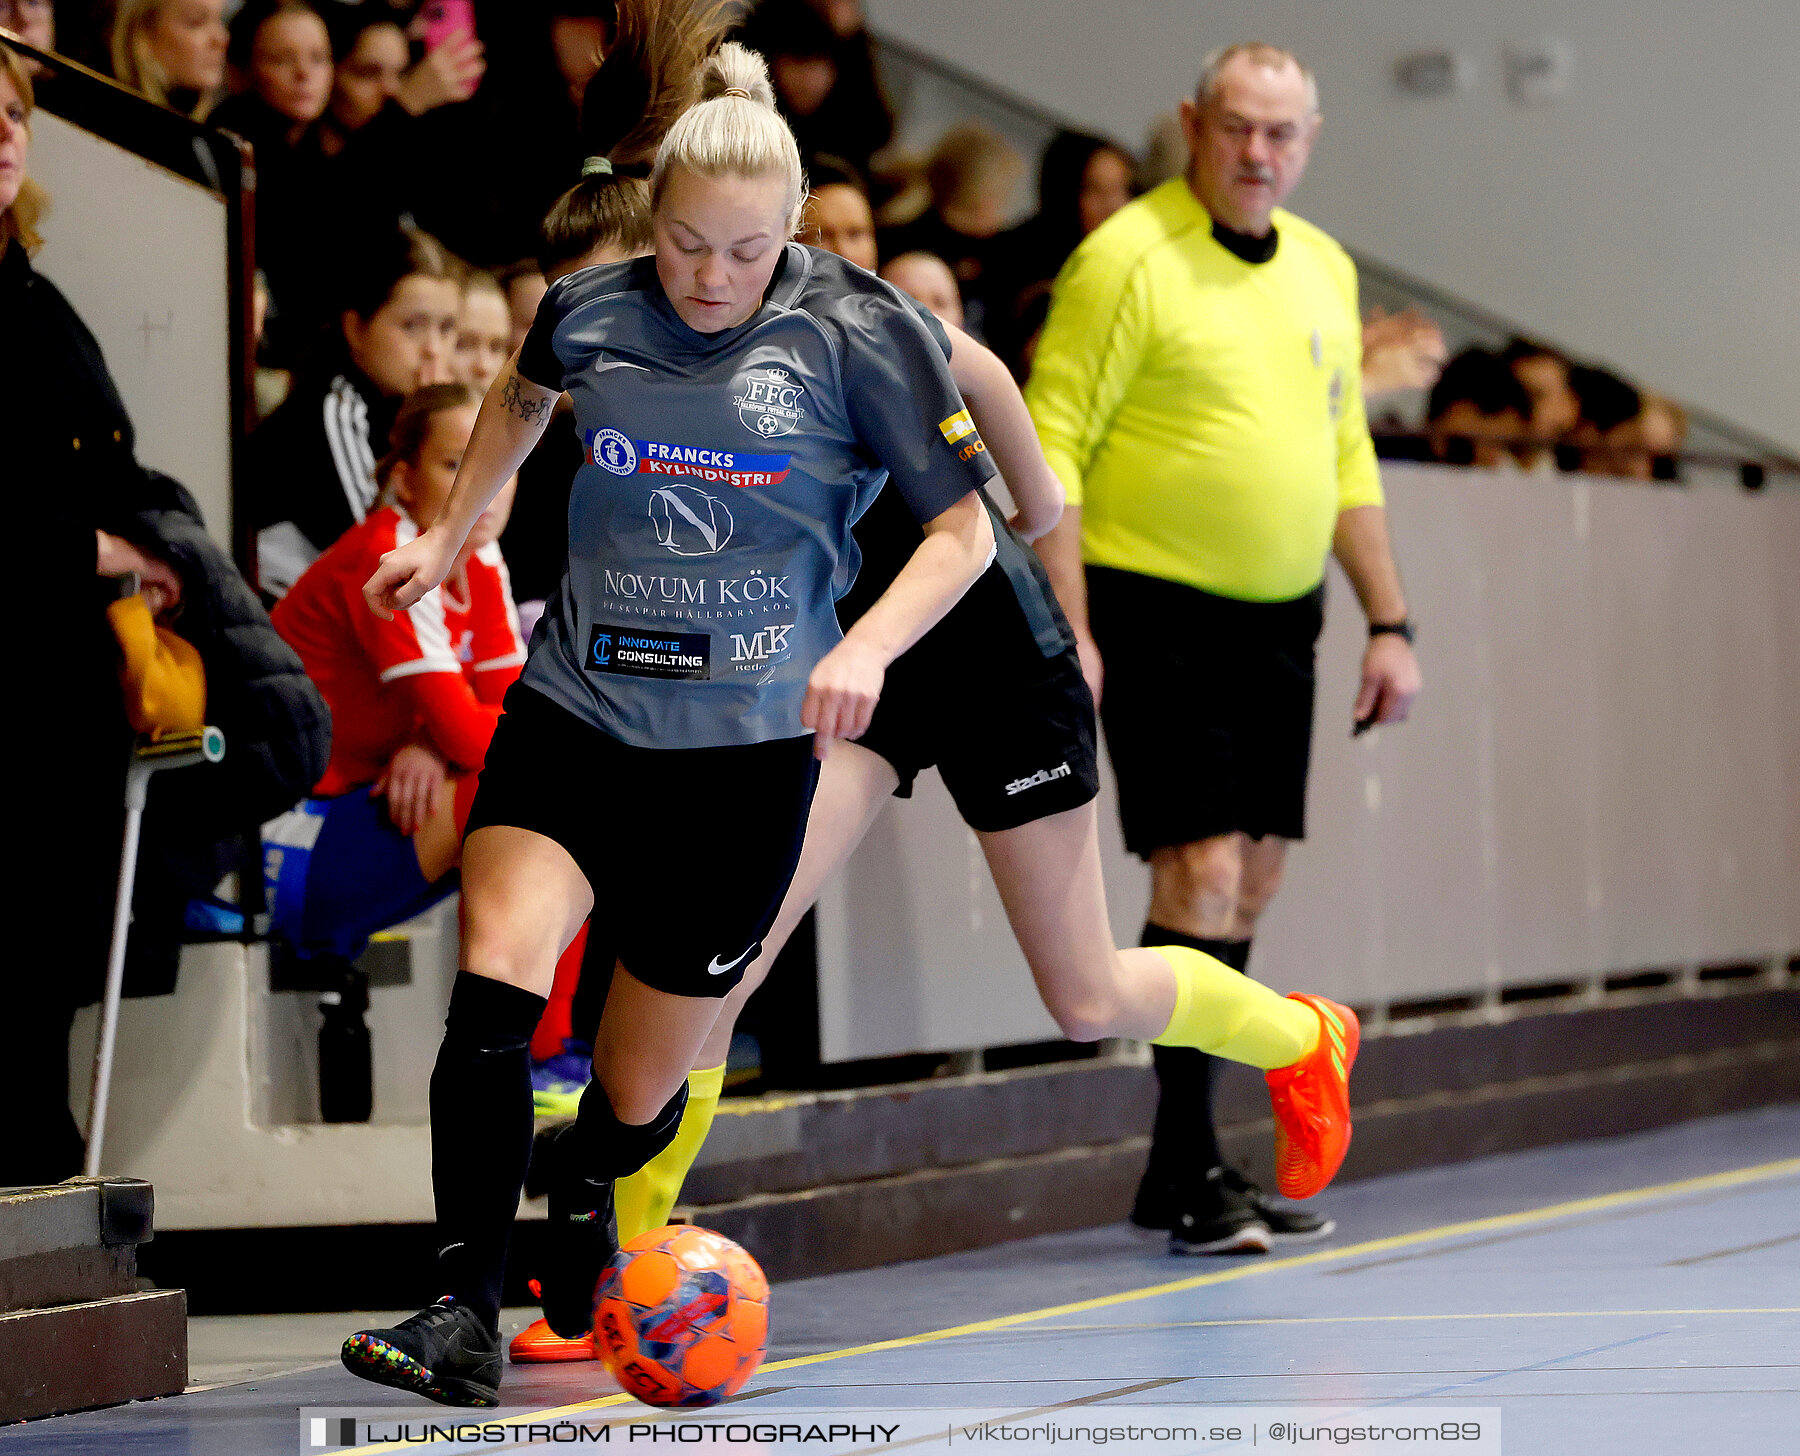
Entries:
{"x":381,"y":1362}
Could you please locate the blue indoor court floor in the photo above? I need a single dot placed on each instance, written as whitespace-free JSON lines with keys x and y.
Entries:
{"x":1637,"y":1295}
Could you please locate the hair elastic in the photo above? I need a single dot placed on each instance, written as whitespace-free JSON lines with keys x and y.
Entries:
{"x":737,"y":91}
{"x":596,"y":167}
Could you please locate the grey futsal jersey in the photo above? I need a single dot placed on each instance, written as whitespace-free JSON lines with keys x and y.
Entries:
{"x":709,"y":525}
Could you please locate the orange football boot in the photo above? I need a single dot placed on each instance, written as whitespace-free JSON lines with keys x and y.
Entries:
{"x":538,"y":1344}
{"x":1312,"y":1103}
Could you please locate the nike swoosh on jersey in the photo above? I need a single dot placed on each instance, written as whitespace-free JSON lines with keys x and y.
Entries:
{"x":600,"y":366}
{"x":715,"y":969}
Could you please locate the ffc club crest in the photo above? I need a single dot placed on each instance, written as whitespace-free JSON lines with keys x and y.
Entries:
{"x":770,"y":402}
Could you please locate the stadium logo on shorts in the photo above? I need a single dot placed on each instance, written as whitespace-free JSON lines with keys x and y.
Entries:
{"x":612,"y":451}
{"x":688,"y":521}
{"x":1042,"y":776}
{"x":770,"y":403}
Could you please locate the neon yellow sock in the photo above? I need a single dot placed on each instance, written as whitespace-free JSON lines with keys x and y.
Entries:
{"x":1223,"y":1012}
{"x":645,"y":1199}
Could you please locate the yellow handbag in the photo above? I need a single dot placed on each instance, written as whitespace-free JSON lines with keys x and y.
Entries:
{"x":161,"y":675}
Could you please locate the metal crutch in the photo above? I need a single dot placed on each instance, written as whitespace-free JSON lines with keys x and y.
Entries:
{"x":148,"y":756}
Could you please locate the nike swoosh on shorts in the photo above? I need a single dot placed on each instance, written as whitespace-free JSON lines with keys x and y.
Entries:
{"x":715,"y":969}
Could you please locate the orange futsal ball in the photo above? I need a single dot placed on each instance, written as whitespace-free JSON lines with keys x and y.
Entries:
{"x":682,"y":1316}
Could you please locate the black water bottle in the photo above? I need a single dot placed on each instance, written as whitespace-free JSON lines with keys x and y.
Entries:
{"x":346,"y":1066}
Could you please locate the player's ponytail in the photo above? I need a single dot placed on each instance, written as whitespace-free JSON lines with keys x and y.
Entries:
{"x":648,"y":77}
{"x":735,"y":130}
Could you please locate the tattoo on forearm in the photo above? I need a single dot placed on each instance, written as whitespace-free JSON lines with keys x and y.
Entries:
{"x":531,"y":411}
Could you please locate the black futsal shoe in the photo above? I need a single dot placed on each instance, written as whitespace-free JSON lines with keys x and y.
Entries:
{"x":1217,"y":1219}
{"x":443,"y":1352}
{"x":582,"y":1237}
{"x":1288,"y":1222}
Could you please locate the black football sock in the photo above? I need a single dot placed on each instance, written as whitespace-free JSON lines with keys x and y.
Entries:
{"x":1183,"y":1141}
{"x":481,"y":1134}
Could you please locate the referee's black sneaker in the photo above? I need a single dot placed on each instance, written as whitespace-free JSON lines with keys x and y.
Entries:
{"x":444,"y":1352}
{"x":1217,"y":1219}
{"x":1287,"y":1221}
{"x":582,"y":1235}
{"x":1154,"y":1210}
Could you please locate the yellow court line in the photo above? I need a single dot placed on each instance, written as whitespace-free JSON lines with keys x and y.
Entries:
{"x":1377,"y":1319}
{"x":1757,"y":1173}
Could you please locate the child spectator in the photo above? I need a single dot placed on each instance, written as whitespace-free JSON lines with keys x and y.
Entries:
{"x":172,"y":51}
{"x":1478,"y":412}
{"x":414,"y":701}
{"x":312,"y":463}
{"x":484,"y":331}
{"x":284,"y":51}
{"x":926,"y":277}
{"x":838,"y":217}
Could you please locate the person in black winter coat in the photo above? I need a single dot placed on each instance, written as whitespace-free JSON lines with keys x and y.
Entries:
{"x":86,"y":511}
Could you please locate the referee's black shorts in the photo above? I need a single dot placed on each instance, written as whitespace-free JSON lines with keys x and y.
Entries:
{"x":1009,"y":729}
{"x":1207,"y":706}
{"x":689,"y":851}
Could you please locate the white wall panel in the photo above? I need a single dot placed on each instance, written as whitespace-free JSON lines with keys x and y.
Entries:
{"x":1603,"y":775}
{"x":142,"y":255}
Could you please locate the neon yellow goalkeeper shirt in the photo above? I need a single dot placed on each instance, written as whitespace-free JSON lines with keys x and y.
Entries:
{"x":1206,"y":412}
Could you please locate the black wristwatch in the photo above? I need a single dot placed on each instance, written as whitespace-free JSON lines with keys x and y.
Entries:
{"x":1399,"y":629}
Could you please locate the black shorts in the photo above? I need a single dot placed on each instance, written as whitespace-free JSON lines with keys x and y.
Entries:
{"x":1207,"y":706}
{"x":688,"y":850}
{"x":1010,"y":730}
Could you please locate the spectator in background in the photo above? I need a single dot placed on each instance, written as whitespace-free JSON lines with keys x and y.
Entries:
{"x":822,"y":66}
{"x":838,"y":217}
{"x":1544,"y":374}
{"x":172,"y":51}
{"x":484,"y":331}
{"x":1644,"y":447}
{"x":1165,"y":152}
{"x":382,"y":170}
{"x":415,"y":700}
{"x":91,"y":513}
{"x":1604,"y":403}
{"x":1082,"y":181}
{"x":1479,"y":412}
{"x":283,"y":51}
{"x":524,"y":286}
{"x":926,"y":277}
{"x":34,"y":22}
{"x":1400,"y":352}
{"x":311,"y":468}
{"x":972,"y":175}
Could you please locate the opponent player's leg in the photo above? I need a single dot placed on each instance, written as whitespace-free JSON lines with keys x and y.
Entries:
{"x":524,"y":897}
{"x":1048,"y":875}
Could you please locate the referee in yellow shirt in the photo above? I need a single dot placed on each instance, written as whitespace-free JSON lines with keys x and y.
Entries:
{"x":1198,"y":389}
